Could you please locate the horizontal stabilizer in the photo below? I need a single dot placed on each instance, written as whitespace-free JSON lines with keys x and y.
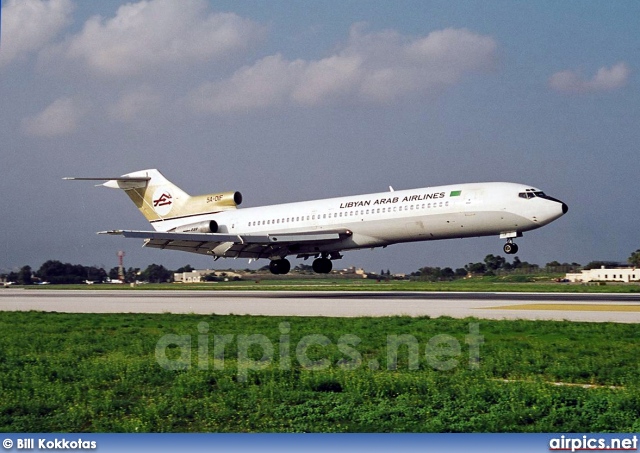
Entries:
{"x":119,"y":182}
{"x":117,"y":178}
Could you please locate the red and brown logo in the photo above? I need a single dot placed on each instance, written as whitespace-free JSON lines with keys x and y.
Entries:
{"x":163,"y":200}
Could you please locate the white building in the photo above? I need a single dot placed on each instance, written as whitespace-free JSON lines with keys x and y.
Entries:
{"x":197,"y":276}
{"x":627,"y":274}
{"x":194,"y":276}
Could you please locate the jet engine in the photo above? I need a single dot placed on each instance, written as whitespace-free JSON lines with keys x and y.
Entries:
{"x":208,"y":226}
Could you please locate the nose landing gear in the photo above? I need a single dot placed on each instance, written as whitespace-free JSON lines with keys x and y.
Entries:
{"x":510,"y":247}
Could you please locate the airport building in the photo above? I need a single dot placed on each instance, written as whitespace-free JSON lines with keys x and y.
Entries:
{"x":627,"y":275}
{"x":197,"y":276}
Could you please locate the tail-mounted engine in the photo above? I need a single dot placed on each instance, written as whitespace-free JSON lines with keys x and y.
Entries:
{"x":224,"y":199}
{"x":215,"y":201}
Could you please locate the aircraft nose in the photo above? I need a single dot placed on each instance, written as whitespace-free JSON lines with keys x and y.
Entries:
{"x":565,"y":208}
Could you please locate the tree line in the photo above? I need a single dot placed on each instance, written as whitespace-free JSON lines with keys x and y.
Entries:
{"x":56,"y":272}
{"x":493,"y":265}
{"x":490,"y":266}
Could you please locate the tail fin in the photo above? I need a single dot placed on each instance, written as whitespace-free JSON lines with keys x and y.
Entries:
{"x":159,"y":199}
{"x":155,"y":196}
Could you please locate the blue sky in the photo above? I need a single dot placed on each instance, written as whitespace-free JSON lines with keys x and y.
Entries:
{"x":289,"y":101}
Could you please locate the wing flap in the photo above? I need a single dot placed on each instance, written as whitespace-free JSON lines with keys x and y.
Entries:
{"x":229,"y":245}
{"x":268,"y":239}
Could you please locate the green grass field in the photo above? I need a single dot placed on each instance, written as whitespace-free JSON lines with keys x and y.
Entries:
{"x":99,"y":373}
{"x":515,"y":283}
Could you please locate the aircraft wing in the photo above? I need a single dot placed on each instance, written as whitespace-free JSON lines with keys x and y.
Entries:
{"x":232,"y":245}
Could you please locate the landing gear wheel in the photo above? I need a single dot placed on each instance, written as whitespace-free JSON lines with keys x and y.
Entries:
{"x":322,"y":265}
{"x":280,"y":267}
{"x":510,"y":248}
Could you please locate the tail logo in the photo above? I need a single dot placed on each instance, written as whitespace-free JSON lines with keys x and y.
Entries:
{"x":162,"y":201}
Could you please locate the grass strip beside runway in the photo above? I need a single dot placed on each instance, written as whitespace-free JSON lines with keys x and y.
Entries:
{"x":99,"y":373}
{"x":570,"y":307}
{"x":333,"y":283}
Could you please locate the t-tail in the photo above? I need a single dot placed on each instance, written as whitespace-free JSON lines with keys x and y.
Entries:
{"x":159,"y":200}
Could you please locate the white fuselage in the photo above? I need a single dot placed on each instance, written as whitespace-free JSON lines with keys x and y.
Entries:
{"x":380,"y":219}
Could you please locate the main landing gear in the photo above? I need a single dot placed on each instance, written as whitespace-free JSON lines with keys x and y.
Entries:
{"x":510,"y":248}
{"x":283,"y":266}
{"x":322,"y":265}
{"x":280,"y":267}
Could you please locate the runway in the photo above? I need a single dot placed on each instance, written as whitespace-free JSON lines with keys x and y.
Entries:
{"x":620,"y":308}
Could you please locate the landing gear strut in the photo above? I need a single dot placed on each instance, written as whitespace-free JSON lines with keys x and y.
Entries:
{"x":322,"y":265}
{"x":280,"y":267}
{"x":510,"y":247}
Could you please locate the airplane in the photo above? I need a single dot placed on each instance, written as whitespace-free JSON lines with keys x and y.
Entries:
{"x":213,"y":225}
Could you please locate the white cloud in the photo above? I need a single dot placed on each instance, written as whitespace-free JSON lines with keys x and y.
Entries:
{"x":606,"y":79}
{"x":28,"y":25}
{"x":268,"y":82}
{"x":131,"y":105}
{"x":376,"y":67}
{"x":146,"y":35}
{"x":59,"y":118}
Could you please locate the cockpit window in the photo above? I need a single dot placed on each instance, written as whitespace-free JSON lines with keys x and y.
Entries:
{"x":530,"y":193}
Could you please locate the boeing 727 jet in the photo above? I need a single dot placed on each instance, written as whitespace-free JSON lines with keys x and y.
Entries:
{"x":213,"y":225}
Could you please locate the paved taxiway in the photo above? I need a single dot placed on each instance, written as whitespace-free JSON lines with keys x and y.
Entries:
{"x":623,"y":308}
